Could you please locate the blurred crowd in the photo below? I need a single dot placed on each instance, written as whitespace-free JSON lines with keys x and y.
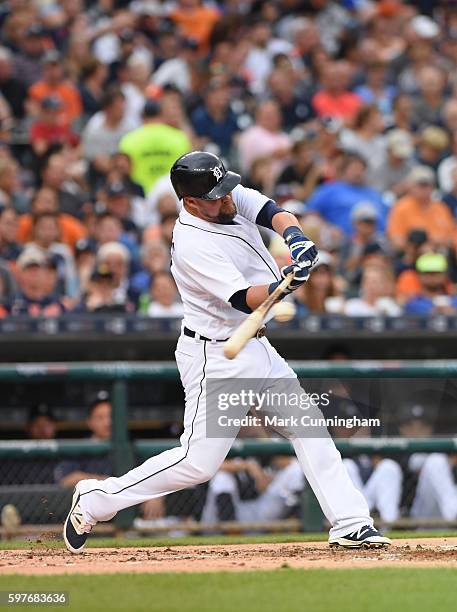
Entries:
{"x":342,"y":111}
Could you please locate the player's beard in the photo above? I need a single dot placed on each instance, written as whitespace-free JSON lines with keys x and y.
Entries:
{"x":226,"y":214}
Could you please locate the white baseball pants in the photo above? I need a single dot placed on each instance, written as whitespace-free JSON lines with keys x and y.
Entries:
{"x":436,"y":493}
{"x":382,"y":489}
{"x":198,"y":458}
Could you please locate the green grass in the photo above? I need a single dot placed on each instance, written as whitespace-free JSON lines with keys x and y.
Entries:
{"x":284,"y":590}
{"x":210,"y":540}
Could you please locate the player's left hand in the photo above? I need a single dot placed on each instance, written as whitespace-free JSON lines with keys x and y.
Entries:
{"x":303,"y":251}
{"x":301,"y":275}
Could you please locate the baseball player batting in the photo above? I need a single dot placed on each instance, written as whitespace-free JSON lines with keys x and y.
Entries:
{"x":224,"y":272}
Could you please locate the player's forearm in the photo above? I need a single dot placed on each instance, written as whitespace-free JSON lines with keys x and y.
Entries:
{"x":256,"y":295}
{"x":281,"y":221}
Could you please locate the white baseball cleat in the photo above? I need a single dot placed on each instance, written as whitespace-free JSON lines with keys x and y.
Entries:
{"x":364,"y":537}
{"x":75,"y":529}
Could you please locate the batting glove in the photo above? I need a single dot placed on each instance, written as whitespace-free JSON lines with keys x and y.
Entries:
{"x":300,"y":276}
{"x":302,"y":250}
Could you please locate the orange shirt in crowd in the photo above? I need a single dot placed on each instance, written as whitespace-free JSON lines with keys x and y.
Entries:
{"x":408,"y":214}
{"x":71,"y":230}
{"x":344,"y":106}
{"x":66,"y":92}
{"x":408,"y":285}
{"x":197,"y":23}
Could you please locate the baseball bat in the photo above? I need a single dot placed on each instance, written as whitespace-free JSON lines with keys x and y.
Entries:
{"x":251,"y":325}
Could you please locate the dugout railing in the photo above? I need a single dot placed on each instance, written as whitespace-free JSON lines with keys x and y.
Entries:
{"x":124,"y":452}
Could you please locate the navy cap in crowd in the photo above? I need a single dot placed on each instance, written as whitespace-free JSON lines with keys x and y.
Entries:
{"x":100,"y":397}
{"x":40,"y":410}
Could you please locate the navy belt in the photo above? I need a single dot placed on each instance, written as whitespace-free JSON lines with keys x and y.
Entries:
{"x":191,"y":334}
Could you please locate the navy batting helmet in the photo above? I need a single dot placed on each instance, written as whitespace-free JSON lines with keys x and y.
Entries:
{"x":202,"y":175}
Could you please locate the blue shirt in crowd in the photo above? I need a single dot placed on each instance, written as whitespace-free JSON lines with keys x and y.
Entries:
{"x":335,"y":201}
{"x":422,"y":305}
{"x":220,"y":132}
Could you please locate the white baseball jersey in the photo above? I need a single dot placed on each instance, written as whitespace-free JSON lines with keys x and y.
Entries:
{"x":211,"y":262}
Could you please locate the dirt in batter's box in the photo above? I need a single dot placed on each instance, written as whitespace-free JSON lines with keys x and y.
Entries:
{"x":438,"y":552}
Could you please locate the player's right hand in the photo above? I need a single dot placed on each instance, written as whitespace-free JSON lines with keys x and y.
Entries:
{"x":301,"y":275}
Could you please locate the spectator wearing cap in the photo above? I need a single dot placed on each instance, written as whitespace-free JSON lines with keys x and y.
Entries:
{"x":432,"y":146}
{"x":41,"y":423}
{"x":434,"y":296}
{"x":335,"y":99}
{"x":214,"y":121}
{"x":364,"y":219}
{"x":389,"y":174}
{"x":54,"y":83}
{"x":46,"y":236}
{"x":334,"y":202}
{"x":195,"y":20}
{"x":98,"y":296}
{"x":12,"y":88}
{"x":295,"y":109}
{"x":162,"y":300}
{"x":104,"y":131}
{"x":28,"y":62}
{"x":447,"y":167}
{"x":153,"y":140}
{"x":116,"y":258}
{"x":93,"y":79}
{"x":365,"y":135}
{"x":9,"y":247}
{"x":49,"y":129}
{"x":34,"y":297}
{"x":376,"y":294}
{"x":69,"y":472}
{"x":419,"y":210}
{"x":46,"y":200}
{"x":302,"y":175}
{"x":417,"y":243}
{"x":265,"y":138}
